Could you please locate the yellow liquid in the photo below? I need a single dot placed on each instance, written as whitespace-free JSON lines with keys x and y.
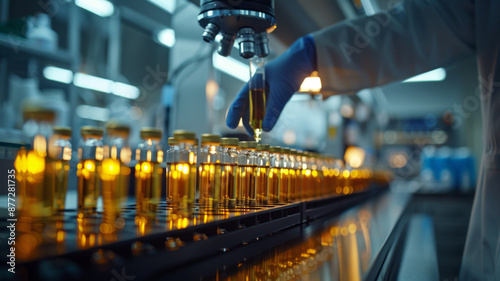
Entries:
{"x":110,"y":173}
{"x":229,"y":183}
{"x":257,"y":111}
{"x":210,"y":184}
{"x":284,"y":186}
{"x":148,"y":176}
{"x":306,"y":184}
{"x":56,"y":177}
{"x":292,"y":179}
{"x":182,"y":186}
{"x":274,"y":185}
{"x":261,"y":184}
{"x":247,"y":194}
{"x":88,"y":185}
{"x":37,"y":199}
{"x":298,"y":184}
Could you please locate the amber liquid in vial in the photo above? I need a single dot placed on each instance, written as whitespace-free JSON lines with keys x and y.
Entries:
{"x":261,"y":184}
{"x":229,"y":183}
{"x":88,"y":185}
{"x":148,"y":176}
{"x":247,"y":184}
{"x":298,"y":185}
{"x":292,"y":184}
{"x":110,"y":173}
{"x":56,"y":177}
{"x":257,"y":111}
{"x":284,"y":185}
{"x":306,"y":184}
{"x":274,"y":185}
{"x":182,"y":186}
{"x":210,"y":184}
{"x":37,"y":200}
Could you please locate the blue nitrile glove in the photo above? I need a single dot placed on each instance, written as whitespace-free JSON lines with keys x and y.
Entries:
{"x":284,"y":75}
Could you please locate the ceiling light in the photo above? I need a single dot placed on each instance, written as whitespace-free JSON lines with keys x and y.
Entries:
{"x":101,"y":8}
{"x":58,"y":74}
{"x":166,"y":37}
{"x":90,"y":82}
{"x":231,"y":67}
{"x":167,"y":5}
{"x":93,"y":113}
{"x":311,"y":84}
{"x":433,"y":75}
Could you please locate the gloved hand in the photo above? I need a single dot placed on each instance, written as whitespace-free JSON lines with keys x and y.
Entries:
{"x":284,"y":75}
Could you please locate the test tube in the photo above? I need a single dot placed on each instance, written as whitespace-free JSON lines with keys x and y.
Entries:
{"x":261,"y":174}
{"x":57,"y":165}
{"x":184,"y":173}
{"x":247,"y":163}
{"x":274,"y":174}
{"x":229,"y":159}
{"x":35,"y":198}
{"x":90,"y":155}
{"x":148,"y":172}
{"x":257,"y":95}
{"x":210,"y":171}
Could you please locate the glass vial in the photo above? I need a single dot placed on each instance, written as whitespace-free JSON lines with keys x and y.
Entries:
{"x":172,"y":156}
{"x":298,"y":174}
{"x":57,"y":165}
{"x":229,"y":171}
{"x":35,"y":198}
{"x":247,"y":164}
{"x":274,"y":174}
{"x":284,"y":182}
{"x":292,"y":175}
{"x":115,"y":172}
{"x":184,"y":173}
{"x":261,"y":174}
{"x":257,"y":95}
{"x":148,"y":171}
{"x":210,"y":171}
{"x":90,"y":155}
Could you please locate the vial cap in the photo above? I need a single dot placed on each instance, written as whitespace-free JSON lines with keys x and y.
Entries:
{"x":275,"y":149}
{"x":91,"y":131}
{"x":285,"y":150}
{"x":181,"y":135}
{"x":196,"y":141}
{"x":63,"y":131}
{"x":230,"y":142}
{"x":152,"y":133}
{"x":172,"y":141}
{"x":38,"y":113}
{"x":263,"y":147}
{"x":210,"y":139}
{"x":248,"y":144}
{"x":114,"y":128}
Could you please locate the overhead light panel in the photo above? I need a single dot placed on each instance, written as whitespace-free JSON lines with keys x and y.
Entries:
{"x":101,"y":8}
{"x":166,"y":37}
{"x":231,"y":67}
{"x":433,"y":75}
{"x":57,"y":74}
{"x":167,"y":5}
{"x":90,"y":82}
{"x":93,"y":113}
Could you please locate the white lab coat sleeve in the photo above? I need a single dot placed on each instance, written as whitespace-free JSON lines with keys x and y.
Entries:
{"x":413,"y":37}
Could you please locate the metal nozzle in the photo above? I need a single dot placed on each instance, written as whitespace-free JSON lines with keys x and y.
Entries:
{"x":211,"y":30}
{"x":261,"y":45}
{"x":246,"y":42}
{"x":226,"y":44}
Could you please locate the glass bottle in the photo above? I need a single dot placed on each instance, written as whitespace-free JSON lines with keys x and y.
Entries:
{"x":57,"y":165}
{"x":284,"y":182}
{"x":210,"y":171}
{"x":292,"y":174}
{"x":257,"y":95}
{"x":274,"y":174}
{"x":115,"y":173}
{"x":90,"y":155}
{"x":261,"y":175}
{"x":298,"y":174}
{"x":229,"y":171}
{"x":172,"y":156}
{"x":148,"y":171}
{"x":247,"y":163}
{"x":184,"y":172}
{"x":35,"y":198}
{"x":307,"y":191}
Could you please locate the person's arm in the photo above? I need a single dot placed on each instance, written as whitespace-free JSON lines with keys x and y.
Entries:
{"x":415,"y":37}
